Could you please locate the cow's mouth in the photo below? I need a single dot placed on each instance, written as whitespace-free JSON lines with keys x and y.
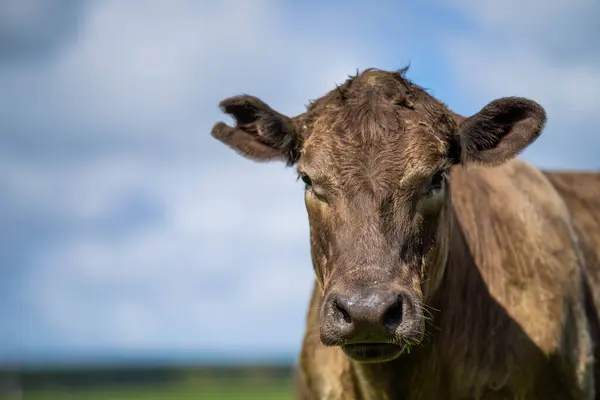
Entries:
{"x":373,"y":352}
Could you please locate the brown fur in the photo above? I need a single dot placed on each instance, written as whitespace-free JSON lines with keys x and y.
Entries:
{"x":581,"y":193}
{"x":486,"y":263}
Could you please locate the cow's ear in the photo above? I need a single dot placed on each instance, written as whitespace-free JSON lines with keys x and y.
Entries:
{"x":260,"y":133}
{"x":500,"y":131}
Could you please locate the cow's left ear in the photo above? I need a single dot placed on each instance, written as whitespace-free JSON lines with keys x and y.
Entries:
{"x":260,"y":133}
{"x":500,"y":131}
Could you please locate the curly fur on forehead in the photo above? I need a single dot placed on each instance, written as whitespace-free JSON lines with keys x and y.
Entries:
{"x":376,"y":92}
{"x":354,"y":85}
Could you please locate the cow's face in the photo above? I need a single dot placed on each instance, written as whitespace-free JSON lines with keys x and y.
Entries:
{"x":374,"y":155}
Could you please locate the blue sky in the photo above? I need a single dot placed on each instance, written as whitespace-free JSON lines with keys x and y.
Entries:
{"x":126,"y":230}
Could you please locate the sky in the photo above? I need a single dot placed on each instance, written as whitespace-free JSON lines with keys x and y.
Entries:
{"x":126,"y":231}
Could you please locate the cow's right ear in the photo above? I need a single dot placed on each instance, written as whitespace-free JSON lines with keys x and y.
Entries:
{"x":260,"y":133}
{"x":500,"y":131}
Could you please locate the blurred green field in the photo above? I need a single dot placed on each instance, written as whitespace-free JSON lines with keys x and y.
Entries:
{"x":149,"y":383}
{"x":176,"y":392}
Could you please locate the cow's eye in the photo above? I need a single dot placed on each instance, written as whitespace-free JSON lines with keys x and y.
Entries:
{"x":306,"y":179}
{"x":312,"y":190}
{"x":437,"y":182}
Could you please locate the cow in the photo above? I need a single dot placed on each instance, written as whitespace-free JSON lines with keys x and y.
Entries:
{"x":446,"y":267}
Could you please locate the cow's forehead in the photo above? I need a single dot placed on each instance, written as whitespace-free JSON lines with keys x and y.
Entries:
{"x":377,"y":148}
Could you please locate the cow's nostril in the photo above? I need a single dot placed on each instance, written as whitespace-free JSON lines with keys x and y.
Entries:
{"x":341,"y":312}
{"x":393,"y":316}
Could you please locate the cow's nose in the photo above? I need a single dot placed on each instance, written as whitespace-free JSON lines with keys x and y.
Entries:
{"x":374,"y":315}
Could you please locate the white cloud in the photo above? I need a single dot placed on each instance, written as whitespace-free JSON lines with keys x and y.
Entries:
{"x":568,"y":89}
{"x":225,"y":264}
{"x":526,"y":15}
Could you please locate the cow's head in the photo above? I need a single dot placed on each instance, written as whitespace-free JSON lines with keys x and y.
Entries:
{"x":375,"y":155}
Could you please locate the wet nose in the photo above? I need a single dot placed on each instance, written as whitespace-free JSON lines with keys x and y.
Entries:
{"x":368,"y":316}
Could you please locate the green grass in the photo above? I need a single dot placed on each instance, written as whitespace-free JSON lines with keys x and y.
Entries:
{"x":185,"y":391}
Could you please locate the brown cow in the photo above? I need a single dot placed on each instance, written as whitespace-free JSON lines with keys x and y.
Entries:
{"x":446,"y":268}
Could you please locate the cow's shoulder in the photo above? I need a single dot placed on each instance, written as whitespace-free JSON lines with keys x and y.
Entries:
{"x":520,"y":243}
{"x":519,"y":234}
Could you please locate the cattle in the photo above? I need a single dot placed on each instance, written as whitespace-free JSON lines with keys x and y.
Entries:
{"x":445,"y":266}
